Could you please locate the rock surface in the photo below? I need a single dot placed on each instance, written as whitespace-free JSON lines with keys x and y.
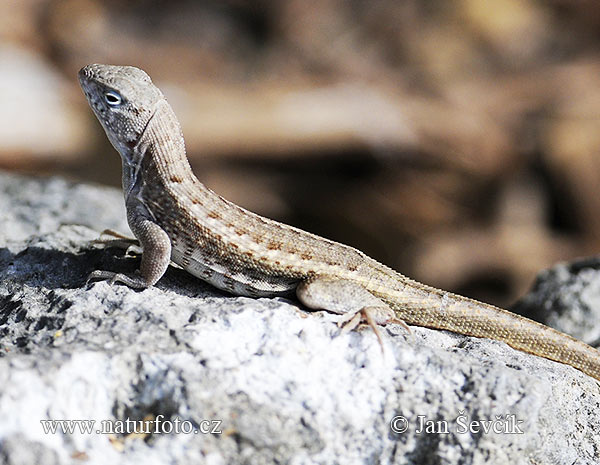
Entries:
{"x":567,"y":297}
{"x":259,"y":381}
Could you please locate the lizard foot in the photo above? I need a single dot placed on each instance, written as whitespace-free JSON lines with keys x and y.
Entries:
{"x":349,"y":299}
{"x":371,"y":315}
{"x":374,"y":317}
{"x":136,"y":282}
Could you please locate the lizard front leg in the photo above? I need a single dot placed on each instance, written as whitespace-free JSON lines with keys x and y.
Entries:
{"x":156,"y":254}
{"x":349,"y":299}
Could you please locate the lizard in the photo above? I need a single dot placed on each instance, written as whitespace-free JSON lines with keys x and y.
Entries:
{"x":178,"y":219}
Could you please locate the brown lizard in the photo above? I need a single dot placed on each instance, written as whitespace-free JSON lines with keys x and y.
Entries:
{"x":176,"y":218}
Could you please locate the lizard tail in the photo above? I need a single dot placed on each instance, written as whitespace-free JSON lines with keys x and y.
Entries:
{"x":461,"y":315}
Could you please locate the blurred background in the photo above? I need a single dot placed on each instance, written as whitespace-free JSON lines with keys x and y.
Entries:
{"x":455,"y":140}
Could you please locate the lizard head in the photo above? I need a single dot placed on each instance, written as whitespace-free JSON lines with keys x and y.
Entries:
{"x":123,"y":99}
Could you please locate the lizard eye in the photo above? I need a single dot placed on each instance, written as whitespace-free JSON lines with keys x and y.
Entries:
{"x":112,"y":98}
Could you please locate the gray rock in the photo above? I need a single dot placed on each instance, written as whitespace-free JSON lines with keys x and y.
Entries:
{"x":260,"y":380}
{"x":567,"y":297}
{"x":30,"y":206}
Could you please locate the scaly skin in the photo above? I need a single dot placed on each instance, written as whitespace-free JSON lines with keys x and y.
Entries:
{"x":175,"y":217}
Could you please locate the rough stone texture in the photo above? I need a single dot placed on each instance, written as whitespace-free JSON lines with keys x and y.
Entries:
{"x":285,"y":385}
{"x":567,"y":297}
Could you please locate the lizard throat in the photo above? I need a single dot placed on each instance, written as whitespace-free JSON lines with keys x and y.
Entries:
{"x":132,"y":156}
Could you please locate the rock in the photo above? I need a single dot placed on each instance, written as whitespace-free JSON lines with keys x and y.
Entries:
{"x":260,"y":380}
{"x":567,"y":297}
{"x":30,"y":206}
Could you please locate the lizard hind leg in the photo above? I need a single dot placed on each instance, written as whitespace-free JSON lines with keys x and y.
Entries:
{"x":349,"y":299}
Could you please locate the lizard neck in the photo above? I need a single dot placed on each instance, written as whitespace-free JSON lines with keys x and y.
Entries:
{"x":161,"y":146}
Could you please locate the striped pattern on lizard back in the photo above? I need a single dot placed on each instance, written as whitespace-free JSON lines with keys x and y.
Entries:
{"x":228,"y":246}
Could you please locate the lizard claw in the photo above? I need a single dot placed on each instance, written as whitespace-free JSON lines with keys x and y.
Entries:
{"x":401,"y":323}
{"x":371,"y":315}
{"x":136,"y":282}
{"x":133,"y":250}
{"x":101,"y":275}
{"x":349,"y":321}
